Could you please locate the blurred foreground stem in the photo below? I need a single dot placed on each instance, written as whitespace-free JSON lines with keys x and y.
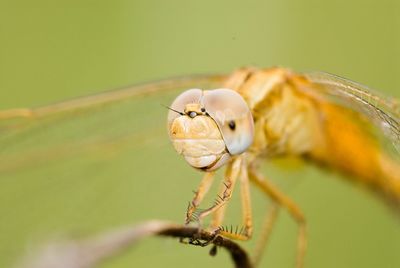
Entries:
{"x":90,"y":252}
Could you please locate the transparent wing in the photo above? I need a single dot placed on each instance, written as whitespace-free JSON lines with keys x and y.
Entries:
{"x":29,"y":136}
{"x":382,"y":111}
{"x":89,"y":163}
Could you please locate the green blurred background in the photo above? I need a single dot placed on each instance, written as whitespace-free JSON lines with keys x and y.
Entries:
{"x":52,"y":50}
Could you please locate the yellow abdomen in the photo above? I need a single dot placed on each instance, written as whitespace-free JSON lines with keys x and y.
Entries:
{"x":350,"y":147}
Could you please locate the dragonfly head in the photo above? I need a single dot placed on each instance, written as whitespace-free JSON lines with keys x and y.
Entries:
{"x":208,"y":127}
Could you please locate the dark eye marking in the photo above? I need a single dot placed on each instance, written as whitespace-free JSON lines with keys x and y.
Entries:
{"x":203,"y":109}
{"x":232,"y":125}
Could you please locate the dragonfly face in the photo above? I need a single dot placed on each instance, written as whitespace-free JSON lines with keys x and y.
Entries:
{"x":208,"y":127}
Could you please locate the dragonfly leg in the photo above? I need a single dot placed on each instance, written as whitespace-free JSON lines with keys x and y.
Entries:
{"x":266,"y":230}
{"x":247,"y":230}
{"x":246,"y":203}
{"x":232,"y":172}
{"x":218,"y":215}
{"x":282,"y":200}
{"x":202,"y":190}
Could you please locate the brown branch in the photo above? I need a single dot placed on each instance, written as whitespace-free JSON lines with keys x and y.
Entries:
{"x":238,"y":255}
{"x":90,"y":252}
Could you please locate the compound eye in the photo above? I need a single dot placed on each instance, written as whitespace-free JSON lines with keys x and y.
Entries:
{"x":233,"y":117}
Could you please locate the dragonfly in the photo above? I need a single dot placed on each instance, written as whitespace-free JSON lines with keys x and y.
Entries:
{"x":238,"y":121}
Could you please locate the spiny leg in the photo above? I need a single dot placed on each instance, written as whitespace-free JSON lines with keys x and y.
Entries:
{"x":202,"y":190}
{"x":218,"y":216}
{"x":232,"y":172}
{"x":292,"y":208}
{"x":191,"y":214}
{"x":247,"y":229}
{"x":266,"y":230}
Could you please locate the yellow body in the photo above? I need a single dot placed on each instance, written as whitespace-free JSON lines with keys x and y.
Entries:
{"x":291,"y":118}
{"x":290,"y":121}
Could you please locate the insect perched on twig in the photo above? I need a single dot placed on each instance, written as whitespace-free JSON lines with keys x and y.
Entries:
{"x":259,"y":114}
{"x":253,"y":115}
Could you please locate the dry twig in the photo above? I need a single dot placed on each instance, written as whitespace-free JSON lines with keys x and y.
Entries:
{"x":88,"y":253}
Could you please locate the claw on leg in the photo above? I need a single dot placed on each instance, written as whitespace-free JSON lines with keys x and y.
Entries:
{"x":197,"y":239}
{"x":203,"y":188}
